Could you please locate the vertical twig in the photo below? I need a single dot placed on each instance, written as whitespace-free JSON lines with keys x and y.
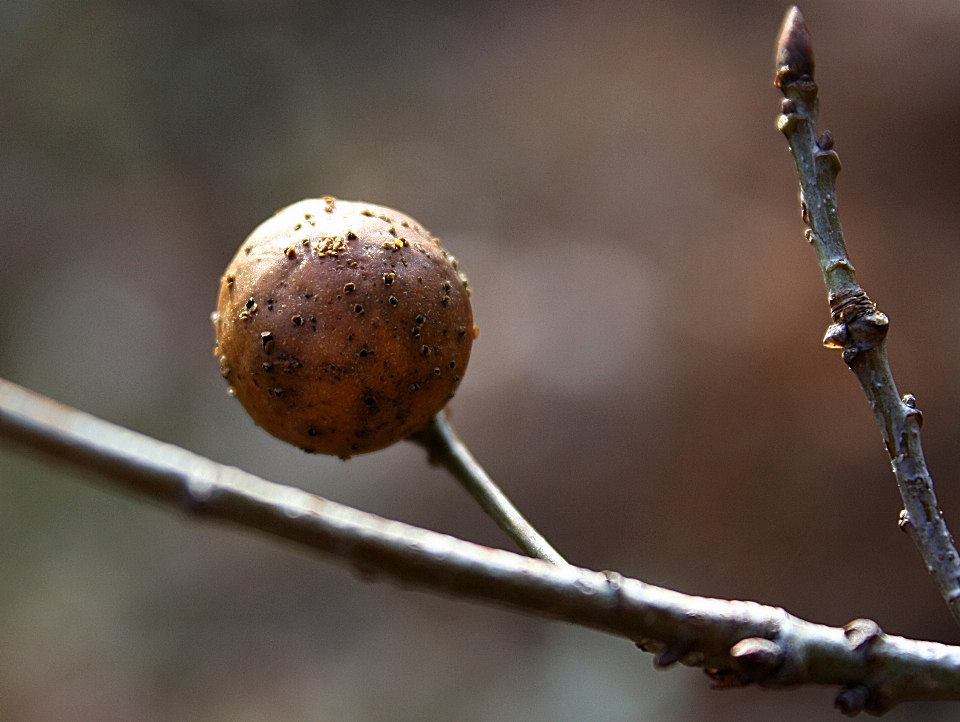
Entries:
{"x":858,"y":328}
{"x":446,"y":449}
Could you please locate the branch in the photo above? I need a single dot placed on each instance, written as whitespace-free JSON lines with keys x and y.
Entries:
{"x":445,"y":448}
{"x":858,"y":328}
{"x":737,"y":643}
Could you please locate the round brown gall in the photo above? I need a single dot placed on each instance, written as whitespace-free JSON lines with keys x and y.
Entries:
{"x":322,"y":318}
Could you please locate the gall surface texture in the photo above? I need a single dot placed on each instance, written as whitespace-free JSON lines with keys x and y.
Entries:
{"x":342,"y":327}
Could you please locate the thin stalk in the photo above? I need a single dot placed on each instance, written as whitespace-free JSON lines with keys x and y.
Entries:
{"x":859,"y":328}
{"x":446,"y":449}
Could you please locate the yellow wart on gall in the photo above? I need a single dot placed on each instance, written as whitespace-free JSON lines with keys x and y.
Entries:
{"x":324,"y":345}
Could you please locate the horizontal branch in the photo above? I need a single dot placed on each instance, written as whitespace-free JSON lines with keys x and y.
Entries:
{"x":737,"y":643}
{"x":858,"y":327}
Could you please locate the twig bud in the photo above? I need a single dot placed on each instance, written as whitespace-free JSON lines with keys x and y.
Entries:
{"x":851,"y":701}
{"x":836,"y":336}
{"x":861,"y":632}
{"x":794,"y":57}
{"x":904,"y":521}
{"x":757,"y":654}
{"x":670,"y":656}
{"x":910,"y":401}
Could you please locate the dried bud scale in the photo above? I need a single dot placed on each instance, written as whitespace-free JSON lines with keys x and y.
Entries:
{"x":319,"y":343}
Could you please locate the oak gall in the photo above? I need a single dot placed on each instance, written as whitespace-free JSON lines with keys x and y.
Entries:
{"x":323,"y":345}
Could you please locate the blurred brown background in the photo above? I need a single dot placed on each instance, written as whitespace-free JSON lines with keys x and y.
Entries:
{"x":649,"y":385}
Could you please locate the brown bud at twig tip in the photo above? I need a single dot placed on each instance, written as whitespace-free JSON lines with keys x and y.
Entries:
{"x":794,"y":50}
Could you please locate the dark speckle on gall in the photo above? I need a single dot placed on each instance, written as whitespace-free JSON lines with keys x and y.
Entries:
{"x":338,"y":396}
{"x":266,"y":339}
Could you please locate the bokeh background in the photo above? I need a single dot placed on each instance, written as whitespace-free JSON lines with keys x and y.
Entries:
{"x":649,"y":385}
